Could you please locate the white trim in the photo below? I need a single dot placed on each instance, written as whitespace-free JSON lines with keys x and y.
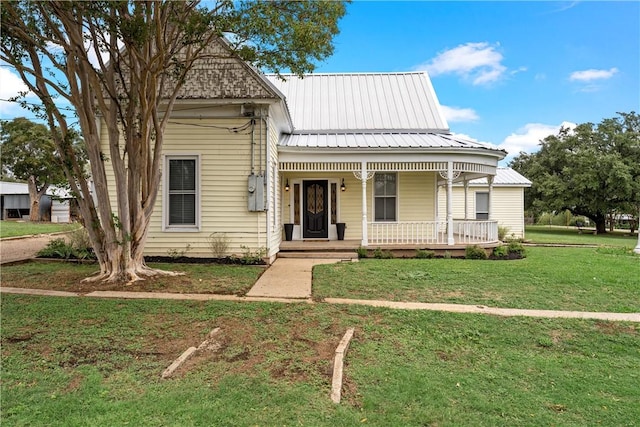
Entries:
{"x":297,"y":228}
{"x":165,"y":193}
{"x":373,"y":197}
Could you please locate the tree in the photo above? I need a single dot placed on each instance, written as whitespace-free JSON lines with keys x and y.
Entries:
{"x":127,"y":61}
{"x":27,"y":153}
{"x":591,"y":170}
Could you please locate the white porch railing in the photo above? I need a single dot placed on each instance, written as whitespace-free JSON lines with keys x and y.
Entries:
{"x":431,"y":232}
{"x":475,"y":231}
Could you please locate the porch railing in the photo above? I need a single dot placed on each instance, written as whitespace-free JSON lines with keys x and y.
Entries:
{"x":431,"y":232}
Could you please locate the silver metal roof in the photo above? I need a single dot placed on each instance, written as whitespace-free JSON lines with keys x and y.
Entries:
{"x":379,"y":140}
{"x":362,"y":102}
{"x":504,"y":177}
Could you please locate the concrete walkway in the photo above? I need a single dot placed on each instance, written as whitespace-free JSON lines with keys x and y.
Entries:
{"x":287,"y":278}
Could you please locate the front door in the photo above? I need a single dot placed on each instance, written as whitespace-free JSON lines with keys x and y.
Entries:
{"x":316,"y":215}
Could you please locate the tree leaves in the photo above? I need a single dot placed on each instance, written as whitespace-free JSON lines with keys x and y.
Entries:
{"x":592,"y":170}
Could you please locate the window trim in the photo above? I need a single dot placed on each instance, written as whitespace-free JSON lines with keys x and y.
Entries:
{"x":191,"y":228}
{"x":475,"y":203}
{"x":396,"y":197}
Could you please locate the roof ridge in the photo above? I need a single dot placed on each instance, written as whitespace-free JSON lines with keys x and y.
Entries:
{"x":350,"y":73}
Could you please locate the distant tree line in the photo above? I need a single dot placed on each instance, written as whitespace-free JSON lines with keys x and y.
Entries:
{"x":592,"y":170}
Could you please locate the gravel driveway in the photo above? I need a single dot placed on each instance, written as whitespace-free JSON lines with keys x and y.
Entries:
{"x":17,"y":249}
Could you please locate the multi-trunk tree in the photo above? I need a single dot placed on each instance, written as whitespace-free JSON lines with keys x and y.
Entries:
{"x":126,"y":62}
{"x":592,"y":170}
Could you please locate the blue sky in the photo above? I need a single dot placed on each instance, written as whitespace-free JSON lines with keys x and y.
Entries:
{"x":509,"y":73}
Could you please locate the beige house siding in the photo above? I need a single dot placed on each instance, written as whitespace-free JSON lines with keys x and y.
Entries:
{"x":416,"y":199}
{"x":507,"y":206}
{"x":224,"y":159}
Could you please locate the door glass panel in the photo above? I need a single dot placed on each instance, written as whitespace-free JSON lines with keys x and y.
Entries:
{"x":334,"y":204}
{"x":296,"y":204}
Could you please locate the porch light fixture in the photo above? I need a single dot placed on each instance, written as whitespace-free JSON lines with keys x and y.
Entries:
{"x":286,"y":186}
{"x":343,"y":187}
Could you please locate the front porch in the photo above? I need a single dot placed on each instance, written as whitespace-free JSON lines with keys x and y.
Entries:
{"x":404,"y":238}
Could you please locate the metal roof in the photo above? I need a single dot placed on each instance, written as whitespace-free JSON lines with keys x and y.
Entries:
{"x":504,"y":177}
{"x":362,"y":102}
{"x":379,"y":140}
{"x":13,"y":188}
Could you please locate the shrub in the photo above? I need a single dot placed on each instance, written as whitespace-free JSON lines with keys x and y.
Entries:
{"x":57,"y":248}
{"x":250,"y":257}
{"x":501,"y":252}
{"x":517,"y":248}
{"x":219,"y":244}
{"x":380,"y":254}
{"x":475,"y":252}
{"x":362,"y":252}
{"x":424,"y":254}
{"x":502,"y":232}
{"x":446,"y":255}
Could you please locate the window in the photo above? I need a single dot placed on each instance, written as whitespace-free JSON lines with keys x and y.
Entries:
{"x":385,"y":196}
{"x":482,"y":205}
{"x":181,"y":183}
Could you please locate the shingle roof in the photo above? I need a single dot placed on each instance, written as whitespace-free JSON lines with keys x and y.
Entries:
{"x":362,"y":102}
{"x":379,"y":140}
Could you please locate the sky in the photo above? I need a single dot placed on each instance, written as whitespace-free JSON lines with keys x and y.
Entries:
{"x":507,"y":73}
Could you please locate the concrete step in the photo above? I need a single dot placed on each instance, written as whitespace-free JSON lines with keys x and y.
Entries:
{"x":319,"y":255}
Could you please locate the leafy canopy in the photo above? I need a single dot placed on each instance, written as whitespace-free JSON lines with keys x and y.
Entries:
{"x":592,"y":170}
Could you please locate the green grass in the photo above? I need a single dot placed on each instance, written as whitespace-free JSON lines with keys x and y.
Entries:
{"x":584,"y":279}
{"x":198,"y":278}
{"x":15,"y":228}
{"x":571,"y":236}
{"x":91,"y":362}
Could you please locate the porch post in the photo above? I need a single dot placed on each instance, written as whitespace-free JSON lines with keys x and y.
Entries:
{"x":490,"y":181}
{"x":450,"y":240}
{"x":466,"y":199}
{"x":365,"y":236}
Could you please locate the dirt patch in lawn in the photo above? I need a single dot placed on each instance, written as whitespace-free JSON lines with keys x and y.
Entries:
{"x":240,"y":348}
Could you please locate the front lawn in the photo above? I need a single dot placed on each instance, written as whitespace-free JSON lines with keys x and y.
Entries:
{"x":572,"y":236}
{"x":198,"y":278}
{"x":27,"y":228}
{"x":82,"y":361}
{"x":584,"y":279}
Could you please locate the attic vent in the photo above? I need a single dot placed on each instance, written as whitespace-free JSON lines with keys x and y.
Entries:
{"x":248,"y":110}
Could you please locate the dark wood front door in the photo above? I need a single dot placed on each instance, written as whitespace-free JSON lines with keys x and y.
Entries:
{"x":316,"y":214}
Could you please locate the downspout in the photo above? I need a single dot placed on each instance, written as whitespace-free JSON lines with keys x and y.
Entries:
{"x":266,"y":177}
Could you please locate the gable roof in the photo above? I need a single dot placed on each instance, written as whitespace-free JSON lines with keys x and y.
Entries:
{"x":362,"y":102}
{"x":233,"y":77}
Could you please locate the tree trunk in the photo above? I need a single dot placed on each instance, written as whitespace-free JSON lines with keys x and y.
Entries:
{"x":34,"y":198}
{"x":601,"y":225}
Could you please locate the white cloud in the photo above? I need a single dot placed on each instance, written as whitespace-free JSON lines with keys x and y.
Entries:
{"x":480,"y":63}
{"x":592,"y":74}
{"x":529,"y":136}
{"x":455,"y":114}
{"x":11,"y":86}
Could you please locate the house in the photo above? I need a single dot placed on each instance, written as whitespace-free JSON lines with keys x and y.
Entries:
{"x":56,"y":205}
{"x":471,"y":198}
{"x":247,"y":155}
